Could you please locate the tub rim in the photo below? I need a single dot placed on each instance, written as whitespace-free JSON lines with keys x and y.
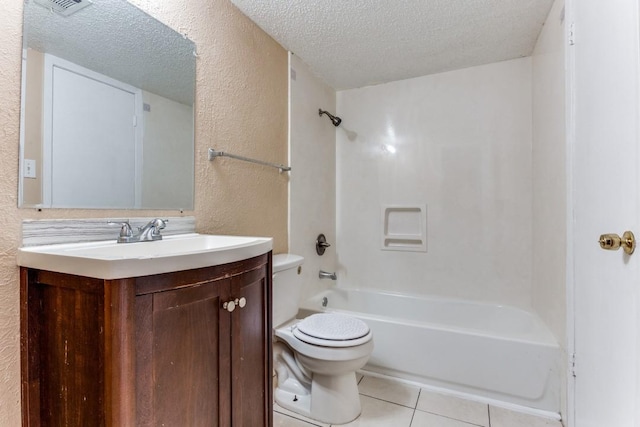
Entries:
{"x":544,"y":334}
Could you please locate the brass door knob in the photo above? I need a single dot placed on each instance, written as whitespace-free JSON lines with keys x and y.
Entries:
{"x":613,"y":242}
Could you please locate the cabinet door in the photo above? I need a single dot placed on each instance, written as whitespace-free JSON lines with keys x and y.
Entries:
{"x":251,"y":370}
{"x":184,"y":360}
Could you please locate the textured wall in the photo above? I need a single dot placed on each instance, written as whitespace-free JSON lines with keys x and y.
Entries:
{"x":241,"y":106}
{"x":32,"y":188}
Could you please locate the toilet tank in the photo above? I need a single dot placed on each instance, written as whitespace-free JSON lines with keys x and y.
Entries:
{"x":286,"y":284}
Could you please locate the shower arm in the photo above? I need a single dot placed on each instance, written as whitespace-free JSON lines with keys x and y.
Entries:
{"x":334,"y":119}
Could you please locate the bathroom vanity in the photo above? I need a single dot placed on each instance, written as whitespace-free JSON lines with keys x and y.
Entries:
{"x":181,"y":348}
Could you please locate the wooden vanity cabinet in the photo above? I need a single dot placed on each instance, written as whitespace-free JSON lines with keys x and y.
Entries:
{"x":157,"y":350}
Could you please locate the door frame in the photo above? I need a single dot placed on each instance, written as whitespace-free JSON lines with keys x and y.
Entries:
{"x":570,"y":117}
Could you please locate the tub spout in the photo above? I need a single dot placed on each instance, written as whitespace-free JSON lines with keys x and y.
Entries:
{"x":326,"y":275}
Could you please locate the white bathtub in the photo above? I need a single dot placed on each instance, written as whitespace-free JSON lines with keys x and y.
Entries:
{"x":494,"y":352}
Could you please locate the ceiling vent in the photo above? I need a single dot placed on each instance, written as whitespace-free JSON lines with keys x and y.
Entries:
{"x":64,"y":7}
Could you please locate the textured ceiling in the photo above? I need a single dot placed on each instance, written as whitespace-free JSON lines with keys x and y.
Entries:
{"x":117,"y":39}
{"x":357,"y":43}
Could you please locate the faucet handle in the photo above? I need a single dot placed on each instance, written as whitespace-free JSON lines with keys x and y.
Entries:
{"x":158,"y":224}
{"x":125,"y":230}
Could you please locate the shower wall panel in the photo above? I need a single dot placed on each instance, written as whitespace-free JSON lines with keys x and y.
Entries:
{"x":460,"y":143}
{"x":312,"y":184}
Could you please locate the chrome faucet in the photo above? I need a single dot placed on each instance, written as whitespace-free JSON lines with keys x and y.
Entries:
{"x":326,"y":275}
{"x":151,"y":231}
{"x":148,"y":233}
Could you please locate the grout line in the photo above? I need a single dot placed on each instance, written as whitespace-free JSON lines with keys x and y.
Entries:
{"x":489,"y":414}
{"x":388,"y":401}
{"x":298,"y":419}
{"x":415,"y":408}
{"x":451,"y":418}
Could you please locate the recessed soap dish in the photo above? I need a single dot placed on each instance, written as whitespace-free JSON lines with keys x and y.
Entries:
{"x":404,"y":228}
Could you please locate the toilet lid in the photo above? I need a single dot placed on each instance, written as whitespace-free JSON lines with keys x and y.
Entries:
{"x":333,"y":327}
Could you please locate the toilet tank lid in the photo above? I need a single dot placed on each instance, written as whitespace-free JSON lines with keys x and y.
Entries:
{"x":286,"y":261}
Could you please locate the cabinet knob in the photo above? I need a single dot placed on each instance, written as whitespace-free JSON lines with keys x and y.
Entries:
{"x":229,"y":306}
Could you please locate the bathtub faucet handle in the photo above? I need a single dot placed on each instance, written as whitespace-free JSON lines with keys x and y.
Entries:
{"x":321,"y":244}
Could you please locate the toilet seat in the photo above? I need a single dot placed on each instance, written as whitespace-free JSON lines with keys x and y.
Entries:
{"x":332,"y":330}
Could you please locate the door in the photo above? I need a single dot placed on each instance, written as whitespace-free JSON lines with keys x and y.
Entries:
{"x":183,"y":371}
{"x":250,"y":347}
{"x":89,"y":130}
{"x":603,"y":79}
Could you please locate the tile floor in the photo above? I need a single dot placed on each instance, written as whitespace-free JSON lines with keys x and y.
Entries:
{"x":387,"y":403}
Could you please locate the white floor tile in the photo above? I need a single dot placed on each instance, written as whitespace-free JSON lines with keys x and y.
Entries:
{"x":425,"y":419}
{"x":454,"y":407}
{"x":281,"y":420}
{"x":505,"y":418}
{"x":378,"y":413}
{"x":279,"y":409}
{"x":391,"y":391}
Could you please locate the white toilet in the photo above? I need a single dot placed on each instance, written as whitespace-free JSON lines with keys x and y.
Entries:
{"x":315,"y":358}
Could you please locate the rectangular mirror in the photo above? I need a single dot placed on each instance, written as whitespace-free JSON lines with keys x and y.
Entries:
{"x":107,"y":108}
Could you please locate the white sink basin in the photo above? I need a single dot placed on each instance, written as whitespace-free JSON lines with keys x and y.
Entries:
{"x":111,"y":260}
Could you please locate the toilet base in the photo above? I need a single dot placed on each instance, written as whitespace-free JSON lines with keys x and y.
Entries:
{"x":318,"y":382}
{"x":333,"y":399}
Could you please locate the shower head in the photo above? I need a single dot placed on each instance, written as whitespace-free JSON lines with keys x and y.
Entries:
{"x":334,"y":119}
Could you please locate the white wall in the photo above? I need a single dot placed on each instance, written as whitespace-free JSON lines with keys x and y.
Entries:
{"x":463,"y":141}
{"x":549,"y":180}
{"x":167,"y":146}
{"x":312,"y":179}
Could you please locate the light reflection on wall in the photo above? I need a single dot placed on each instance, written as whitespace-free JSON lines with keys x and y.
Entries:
{"x":390,"y":146}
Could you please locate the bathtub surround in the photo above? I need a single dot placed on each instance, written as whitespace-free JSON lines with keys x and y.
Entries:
{"x":312,"y":154}
{"x":241,"y":74}
{"x":549,"y":159}
{"x":549,"y":175}
{"x":484,"y":148}
{"x":461,"y":145}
